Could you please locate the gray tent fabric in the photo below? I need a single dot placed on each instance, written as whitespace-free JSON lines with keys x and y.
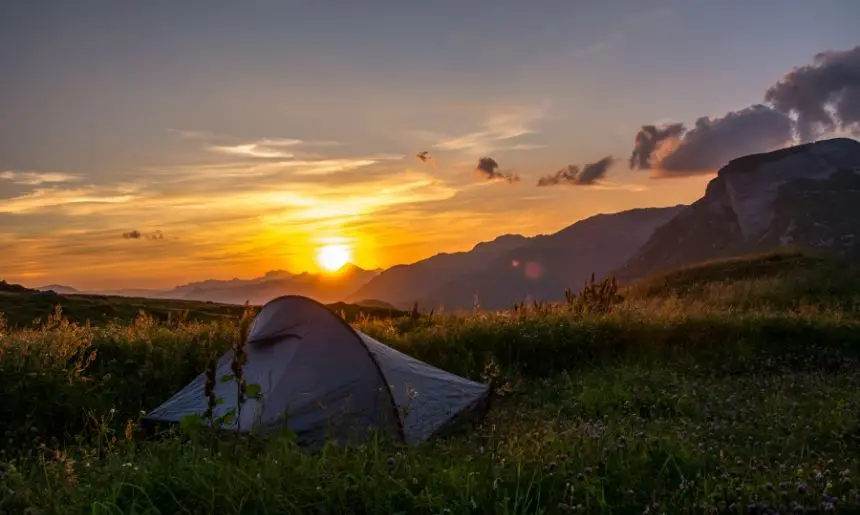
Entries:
{"x":325,"y":379}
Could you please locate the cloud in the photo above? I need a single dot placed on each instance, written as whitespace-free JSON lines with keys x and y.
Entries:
{"x":37,"y":178}
{"x":192,"y":134}
{"x":649,"y":139}
{"x":496,"y":129}
{"x":675,"y":150}
{"x":266,"y":148}
{"x":825,"y":95}
{"x":589,"y":175}
{"x":489,"y":168}
{"x":258,"y":149}
{"x":808,"y":102}
{"x":425,"y":157}
{"x":137,"y":235}
{"x":52,"y":198}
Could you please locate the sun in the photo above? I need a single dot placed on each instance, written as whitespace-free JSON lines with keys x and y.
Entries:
{"x":332,"y":257}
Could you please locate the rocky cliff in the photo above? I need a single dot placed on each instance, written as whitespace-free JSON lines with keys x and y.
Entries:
{"x":807,"y":196}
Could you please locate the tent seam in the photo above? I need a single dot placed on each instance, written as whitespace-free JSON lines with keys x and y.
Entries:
{"x":400,"y":428}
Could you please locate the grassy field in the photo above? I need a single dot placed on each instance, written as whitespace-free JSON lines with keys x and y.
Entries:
{"x":732,"y":387}
{"x":23,"y":307}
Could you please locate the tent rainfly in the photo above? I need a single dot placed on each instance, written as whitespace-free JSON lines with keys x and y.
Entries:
{"x":328,"y":380}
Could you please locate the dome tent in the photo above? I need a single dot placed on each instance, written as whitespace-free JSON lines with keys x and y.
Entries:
{"x":327,"y":380}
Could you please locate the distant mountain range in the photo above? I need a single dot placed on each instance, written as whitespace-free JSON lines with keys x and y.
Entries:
{"x":509,"y":269}
{"x":322,"y":287}
{"x":806,"y":196}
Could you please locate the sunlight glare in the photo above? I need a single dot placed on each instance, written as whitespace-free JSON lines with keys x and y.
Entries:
{"x":332,"y":257}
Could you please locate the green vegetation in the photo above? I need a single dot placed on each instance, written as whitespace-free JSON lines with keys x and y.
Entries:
{"x":711,"y":389}
{"x":784,"y":279}
{"x":23,"y":307}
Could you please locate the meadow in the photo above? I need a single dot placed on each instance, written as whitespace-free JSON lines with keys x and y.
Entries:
{"x":730,"y":387}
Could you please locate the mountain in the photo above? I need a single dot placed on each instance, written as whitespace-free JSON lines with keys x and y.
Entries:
{"x":543,"y":267}
{"x":13,"y":288}
{"x":321,"y":287}
{"x":58,"y":288}
{"x":805,"y":197}
{"x":325,"y":288}
{"x":513,"y":268}
{"x":401,"y":285}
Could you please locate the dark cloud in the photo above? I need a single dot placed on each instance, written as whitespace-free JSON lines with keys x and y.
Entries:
{"x":648,"y":140}
{"x":712,"y":143}
{"x":136,"y":235}
{"x":571,"y":174}
{"x":825,"y":95}
{"x":675,"y":150}
{"x":489,"y":168}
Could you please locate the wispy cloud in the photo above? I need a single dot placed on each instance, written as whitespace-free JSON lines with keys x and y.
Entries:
{"x":495,"y":131}
{"x":186,"y":134}
{"x":265,"y":148}
{"x":37,"y":178}
{"x":251,"y":150}
{"x":268,"y":170}
{"x":51,"y":198}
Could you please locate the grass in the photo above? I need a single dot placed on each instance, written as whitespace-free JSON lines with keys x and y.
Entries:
{"x":23,"y":307}
{"x":736,"y":398}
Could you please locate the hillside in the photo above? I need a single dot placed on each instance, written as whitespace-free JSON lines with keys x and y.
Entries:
{"x":783,"y":279}
{"x":545,"y":266}
{"x":807,"y":197}
{"x":512,"y":268}
{"x":21,"y":307}
{"x":401,"y":285}
{"x":590,"y":413}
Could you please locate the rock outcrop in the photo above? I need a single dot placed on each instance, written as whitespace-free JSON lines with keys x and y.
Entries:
{"x":807,"y":196}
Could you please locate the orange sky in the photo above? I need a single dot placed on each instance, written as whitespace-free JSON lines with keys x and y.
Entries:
{"x":246,"y":214}
{"x":229,"y":153}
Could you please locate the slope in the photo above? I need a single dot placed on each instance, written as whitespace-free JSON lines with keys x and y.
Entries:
{"x":543,"y":267}
{"x":781,"y":279}
{"x":807,"y":196}
{"x":401,"y":285}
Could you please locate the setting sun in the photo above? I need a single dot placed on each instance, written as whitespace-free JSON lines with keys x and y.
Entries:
{"x":332,"y":257}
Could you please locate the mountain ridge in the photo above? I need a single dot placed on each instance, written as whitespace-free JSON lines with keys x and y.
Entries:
{"x":511,"y":268}
{"x":325,"y":288}
{"x":806,"y":196}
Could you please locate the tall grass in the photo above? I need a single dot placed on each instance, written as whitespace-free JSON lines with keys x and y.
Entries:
{"x":662,"y":403}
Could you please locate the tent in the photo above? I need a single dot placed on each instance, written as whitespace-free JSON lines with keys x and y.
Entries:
{"x":323,"y":379}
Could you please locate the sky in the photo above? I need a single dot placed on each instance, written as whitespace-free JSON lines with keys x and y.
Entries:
{"x":149,"y":144}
